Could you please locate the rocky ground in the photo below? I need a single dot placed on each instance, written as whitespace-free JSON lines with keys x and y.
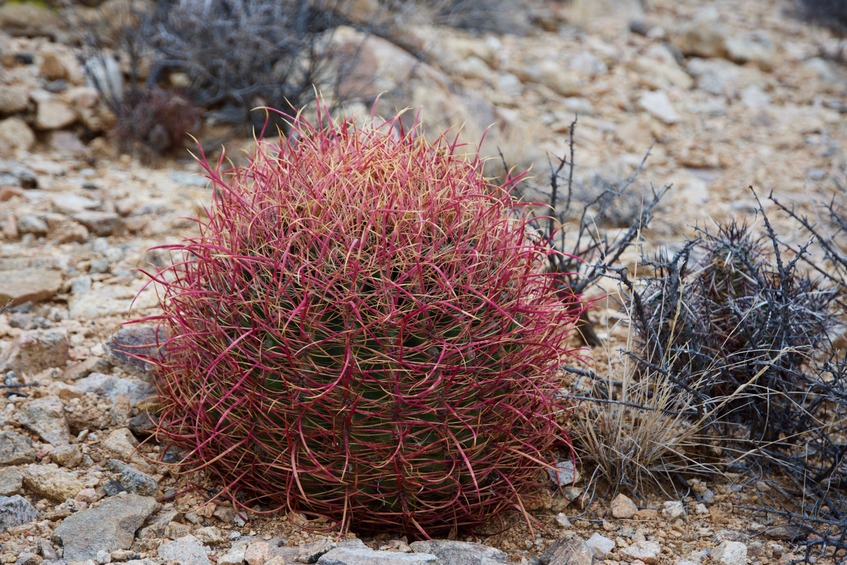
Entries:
{"x":729,"y":94}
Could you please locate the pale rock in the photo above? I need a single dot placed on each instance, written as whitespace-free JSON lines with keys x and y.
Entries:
{"x":674,"y":511}
{"x":68,"y":144}
{"x":37,"y":350}
{"x":52,"y":114}
{"x":68,"y":456}
{"x":730,"y":553}
{"x":111,"y":526}
{"x":562,"y":520}
{"x":366,"y":556}
{"x":235,"y":556}
{"x":88,"y":302}
{"x":646,"y":551}
{"x":121,"y":442}
{"x":62,"y":229}
{"x":209,"y":535}
{"x":603,"y":14}
{"x":572,"y":551}
{"x":659,"y":105}
{"x":83,"y":97}
{"x":578,"y":105}
{"x":702,"y":37}
{"x":563,"y":474}
{"x":15,"y":511}
{"x":52,"y":67}
{"x":45,"y":417}
{"x":13,"y":99}
{"x":15,"y":135}
{"x":11,"y":481}
{"x":718,"y":76}
{"x":659,"y":74}
{"x":600,"y":545}
{"x":70,"y":203}
{"x":756,"y":48}
{"x":51,"y":481}
{"x":755,"y":98}
{"x":100,"y":223}
{"x":587,"y":64}
{"x":29,"y":20}
{"x":623,"y":507}
{"x":186,"y":550}
{"x":15,"y":449}
{"x":30,"y":223}
{"x":554,"y":76}
{"x":112,"y":387}
{"x":460,"y":552}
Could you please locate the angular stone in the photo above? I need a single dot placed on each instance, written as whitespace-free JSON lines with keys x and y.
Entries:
{"x":15,"y":511}
{"x":46,"y":417}
{"x":87,"y":303}
{"x":133,"y":480}
{"x":702,"y":37}
{"x":33,"y":284}
{"x":674,"y":511}
{"x":53,"y":114}
{"x":13,"y":99}
{"x":366,"y":556}
{"x":101,"y":223}
{"x":127,"y":344}
{"x":646,"y":551}
{"x":69,"y":203}
{"x":461,"y":552}
{"x":112,"y":387}
{"x":600,"y":545}
{"x":29,"y":20}
{"x":564,"y":474}
{"x":623,"y":507}
{"x":109,"y":527}
{"x":51,"y":481}
{"x":659,"y":106}
{"x":572,"y":551}
{"x":730,"y":553}
{"x":30,"y":223}
{"x":209,"y":535}
{"x":15,"y":449}
{"x":68,"y":456}
{"x":121,"y":442}
{"x":37,"y":350}
{"x":11,"y":481}
{"x":15,"y":134}
{"x":186,"y":551}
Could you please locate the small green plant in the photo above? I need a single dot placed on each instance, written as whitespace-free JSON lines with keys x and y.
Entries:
{"x":364,"y":330}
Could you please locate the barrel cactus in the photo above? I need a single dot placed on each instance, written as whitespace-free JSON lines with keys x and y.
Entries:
{"x":363,"y":330}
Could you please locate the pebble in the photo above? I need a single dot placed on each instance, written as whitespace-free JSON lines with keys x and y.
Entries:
{"x":730,"y":553}
{"x":121,"y":442}
{"x":15,"y":134}
{"x":111,"y":387}
{"x":572,"y":551}
{"x":24,"y":281}
{"x":659,"y":105}
{"x":133,"y":480}
{"x":646,"y":551}
{"x":674,"y":511}
{"x":37,"y":350}
{"x":186,"y":550}
{"x":623,"y":507}
{"x":111,"y":526}
{"x":11,"y":481}
{"x":600,"y":545}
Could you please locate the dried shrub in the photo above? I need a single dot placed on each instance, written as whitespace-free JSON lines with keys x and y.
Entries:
{"x":363,"y":330}
{"x":154,"y":121}
{"x":264,"y":52}
{"x":742,"y":312}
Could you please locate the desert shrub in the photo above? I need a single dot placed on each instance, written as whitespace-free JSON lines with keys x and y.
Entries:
{"x":363,"y":330}
{"x":736,"y":308}
{"x":241,"y":54}
{"x":154,"y":121}
{"x":831,"y":13}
